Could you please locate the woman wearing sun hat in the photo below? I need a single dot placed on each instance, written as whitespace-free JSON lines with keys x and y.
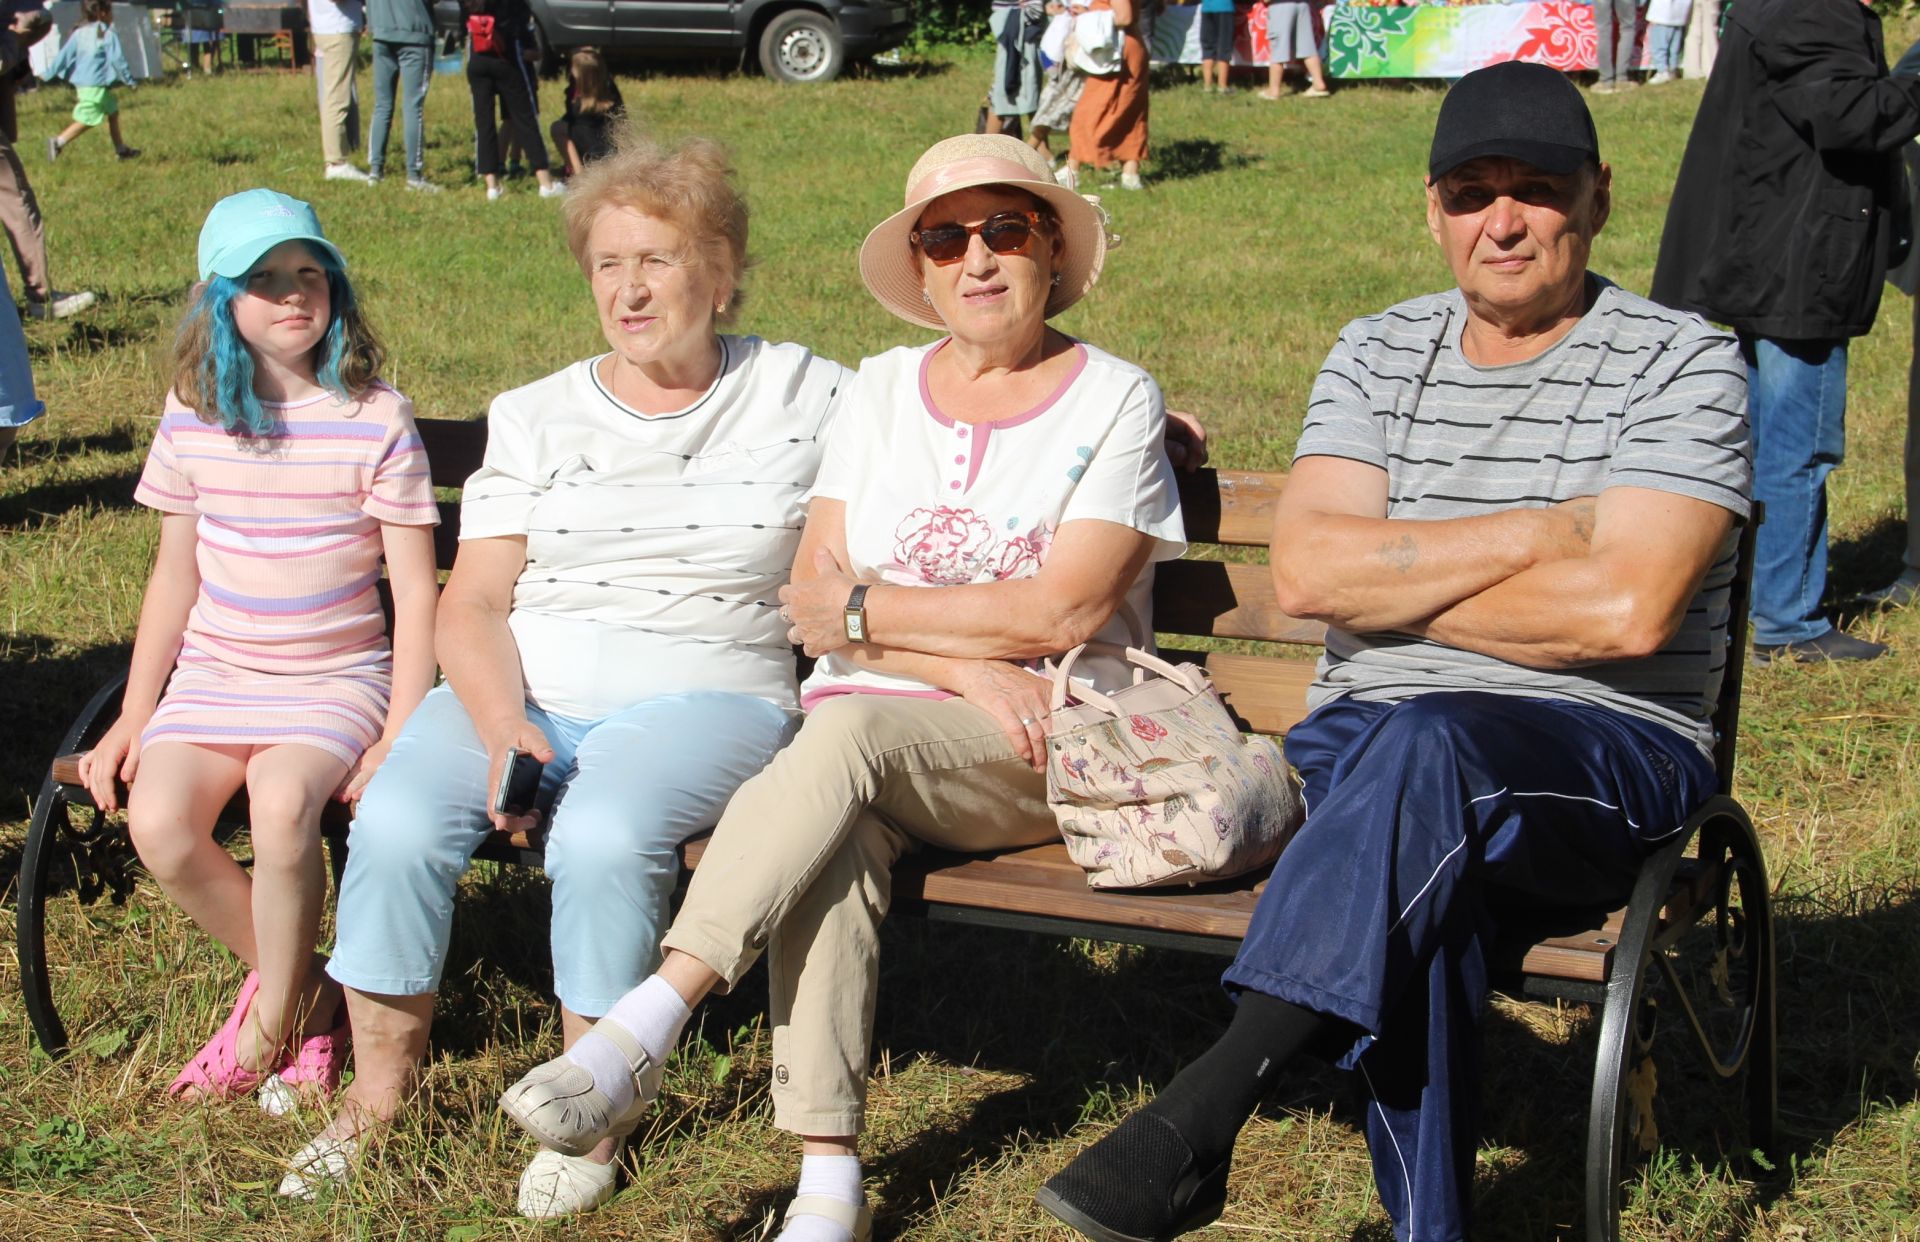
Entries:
{"x":988,"y":499}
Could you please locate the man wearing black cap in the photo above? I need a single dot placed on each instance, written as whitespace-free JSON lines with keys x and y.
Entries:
{"x":1780,"y":226}
{"x":1514,"y":505}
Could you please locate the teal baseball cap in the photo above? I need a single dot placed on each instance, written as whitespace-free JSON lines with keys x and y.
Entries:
{"x":242,"y":227}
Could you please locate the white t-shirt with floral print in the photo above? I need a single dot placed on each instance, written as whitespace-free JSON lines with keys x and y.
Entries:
{"x":934,"y":502}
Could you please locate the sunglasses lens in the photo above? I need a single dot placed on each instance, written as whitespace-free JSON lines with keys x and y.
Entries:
{"x":1006,"y":234}
{"x":944,"y":244}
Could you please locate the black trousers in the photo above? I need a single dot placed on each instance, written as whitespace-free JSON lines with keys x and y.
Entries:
{"x":509,"y":80}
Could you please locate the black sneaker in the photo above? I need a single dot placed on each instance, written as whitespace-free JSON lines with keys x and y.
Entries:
{"x":1138,"y":1184}
{"x":1829,"y":647}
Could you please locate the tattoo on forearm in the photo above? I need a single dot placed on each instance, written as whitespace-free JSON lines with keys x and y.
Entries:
{"x":1400,"y":554}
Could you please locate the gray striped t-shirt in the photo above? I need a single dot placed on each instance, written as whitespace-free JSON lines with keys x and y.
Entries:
{"x":1635,"y":396}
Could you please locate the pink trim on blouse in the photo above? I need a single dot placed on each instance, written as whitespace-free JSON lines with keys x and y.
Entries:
{"x":982,"y":432}
{"x":813,"y":698}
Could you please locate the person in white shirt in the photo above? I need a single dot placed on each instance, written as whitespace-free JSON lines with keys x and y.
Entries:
{"x":990,"y":499}
{"x":612,"y":611}
{"x":336,"y":27}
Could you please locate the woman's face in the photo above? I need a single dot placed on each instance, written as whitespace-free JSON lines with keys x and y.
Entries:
{"x":986,"y":297}
{"x":286,"y":306}
{"x":656,"y":296}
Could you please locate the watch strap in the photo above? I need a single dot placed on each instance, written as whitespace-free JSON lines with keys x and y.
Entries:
{"x":856,"y":614}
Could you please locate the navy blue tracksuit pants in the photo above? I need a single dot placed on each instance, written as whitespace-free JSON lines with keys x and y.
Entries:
{"x":1424,"y":818}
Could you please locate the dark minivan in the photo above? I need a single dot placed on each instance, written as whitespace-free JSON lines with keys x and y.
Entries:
{"x":795,"y":40}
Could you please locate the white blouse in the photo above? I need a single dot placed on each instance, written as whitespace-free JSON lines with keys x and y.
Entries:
{"x":933,"y":502}
{"x":656,"y":544}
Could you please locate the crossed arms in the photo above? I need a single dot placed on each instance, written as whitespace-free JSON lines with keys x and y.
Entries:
{"x":1583,"y":582}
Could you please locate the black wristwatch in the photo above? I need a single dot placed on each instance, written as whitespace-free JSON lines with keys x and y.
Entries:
{"x":856,"y":614}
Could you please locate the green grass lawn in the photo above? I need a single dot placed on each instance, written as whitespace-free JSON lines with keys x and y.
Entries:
{"x":1263,"y":229}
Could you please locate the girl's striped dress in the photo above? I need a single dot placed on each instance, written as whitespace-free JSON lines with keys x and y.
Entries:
{"x":287,"y":641}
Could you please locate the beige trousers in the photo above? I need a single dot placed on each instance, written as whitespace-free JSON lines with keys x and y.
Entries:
{"x":802,"y":864}
{"x":335,"y":58}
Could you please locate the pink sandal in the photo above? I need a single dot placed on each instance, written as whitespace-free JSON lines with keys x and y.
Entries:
{"x":320,"y":1058}
{"x":215,"y":1070}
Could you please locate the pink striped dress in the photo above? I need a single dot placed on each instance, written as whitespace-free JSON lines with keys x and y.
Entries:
{"x":287,"y":641}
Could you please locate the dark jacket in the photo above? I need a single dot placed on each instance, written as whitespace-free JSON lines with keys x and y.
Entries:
{"x":1781,"y":221}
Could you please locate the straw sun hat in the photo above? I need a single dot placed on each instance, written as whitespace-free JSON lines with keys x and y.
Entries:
{"x":890,"y":268}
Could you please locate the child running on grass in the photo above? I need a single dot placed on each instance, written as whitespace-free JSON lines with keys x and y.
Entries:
{"x":284,"y":469}
{"x":92,"y":60}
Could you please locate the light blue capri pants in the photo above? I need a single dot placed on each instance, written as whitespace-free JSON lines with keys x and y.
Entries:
{"x":620,"y":795}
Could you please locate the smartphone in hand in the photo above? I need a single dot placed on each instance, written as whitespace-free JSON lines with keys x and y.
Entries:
{"x":519,"y":784}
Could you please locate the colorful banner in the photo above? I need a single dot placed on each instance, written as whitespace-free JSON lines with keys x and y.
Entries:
{"x":1434,"y":41}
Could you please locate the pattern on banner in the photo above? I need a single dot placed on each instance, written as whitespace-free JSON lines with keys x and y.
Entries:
{"x":1560,"y":33}
{"x":1359,"y":36}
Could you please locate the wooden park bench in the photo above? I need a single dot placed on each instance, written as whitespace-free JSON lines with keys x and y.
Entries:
{"x":1707,"y":888}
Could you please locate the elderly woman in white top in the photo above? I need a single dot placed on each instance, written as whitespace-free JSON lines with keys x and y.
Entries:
{"x":992,"y":498}
{"x":613,"y":612}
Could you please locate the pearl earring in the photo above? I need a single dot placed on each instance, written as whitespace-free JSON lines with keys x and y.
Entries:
{"x":926,"y":297}
{"x":1056,"y":279}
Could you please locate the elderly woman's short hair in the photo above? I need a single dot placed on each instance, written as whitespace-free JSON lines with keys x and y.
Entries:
{"x":691,"y":185}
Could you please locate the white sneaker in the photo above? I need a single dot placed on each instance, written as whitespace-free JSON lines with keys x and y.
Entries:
{"x":494,"y":193}
{"x":553,"y":189}
{"x":345,"y":172}
{"x":323,"y":1162}
{"x":277,"y":1099}
{"x":1067,"y":175}
{"x":1661,"y":78}
{"x":59,"y":305}
{"x":1131,"y":181}
{"x":422,"y":185}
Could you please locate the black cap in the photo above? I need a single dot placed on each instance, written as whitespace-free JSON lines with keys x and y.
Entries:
{"x":1522,"y":111}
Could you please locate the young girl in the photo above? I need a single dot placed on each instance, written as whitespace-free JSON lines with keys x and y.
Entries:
{"x":93,"y":60}
{"x":284,"y":469}
{"x":585,"y":133}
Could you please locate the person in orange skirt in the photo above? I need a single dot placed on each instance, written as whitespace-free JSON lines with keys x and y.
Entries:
{"x":1110,"y":122}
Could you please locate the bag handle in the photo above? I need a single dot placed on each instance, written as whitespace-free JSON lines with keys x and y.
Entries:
{"x":1189,"y":676}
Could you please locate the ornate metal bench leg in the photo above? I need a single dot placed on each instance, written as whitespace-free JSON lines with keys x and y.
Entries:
{"x":30,"y":921}
{"x":1622,"y":1040}
{"x":1763,"y":1053}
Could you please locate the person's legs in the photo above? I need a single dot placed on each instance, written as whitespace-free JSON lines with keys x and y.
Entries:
{"x":416,"y":75}
{"x":483,"y":84}
{"x":333,"y":57}
{"x":1797,"y":393}
{"x":520,"y":94}
{"x":643,"y":781}
{"x":785,"y":833}
{"x":287,"y":787}
{"x":171,"y":810}
{"x":386,"y":75}
{"x":1424,"y":817}
{"x":1613,"y":29}
{"x":413,"y":836}
{"x":20,"y":216}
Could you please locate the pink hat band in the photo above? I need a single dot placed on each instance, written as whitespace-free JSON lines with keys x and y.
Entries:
{"x":977,"y":170}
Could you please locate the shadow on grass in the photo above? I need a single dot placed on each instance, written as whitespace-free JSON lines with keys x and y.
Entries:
{"x":1864,"y":562}
{"x":1194,"y":157}
{"x":36,"y":505}
{"x":45,"y":689}
{"x":53,"y":448}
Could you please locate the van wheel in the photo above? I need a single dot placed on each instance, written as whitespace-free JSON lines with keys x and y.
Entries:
{"x":551,"y":63}
{"x":801,"y":45}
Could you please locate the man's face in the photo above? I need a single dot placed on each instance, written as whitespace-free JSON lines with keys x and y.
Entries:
{"x":1517,"y":237}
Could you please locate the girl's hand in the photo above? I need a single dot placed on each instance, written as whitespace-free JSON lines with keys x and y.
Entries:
{"x":362,"y":771}
{"x":114,"y":758}
{"x":817,"y":608}
{"x":1015,"y":697}
{"x":513,"y":735}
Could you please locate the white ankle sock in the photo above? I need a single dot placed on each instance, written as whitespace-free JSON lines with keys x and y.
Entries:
{"x":653,"y":1014}
{"x":834,"y":1177}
